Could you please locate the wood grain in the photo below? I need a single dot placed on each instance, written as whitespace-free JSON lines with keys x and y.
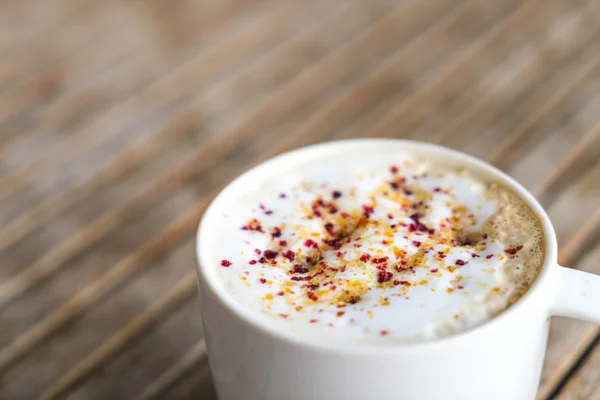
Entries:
{"x":119,"y":121}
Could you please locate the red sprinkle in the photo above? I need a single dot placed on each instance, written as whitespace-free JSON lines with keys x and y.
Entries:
{"x":513,"y":250}
{"x":225,"y":263}
{"x":337,"y":194}
{"x":310,"y":243}
{"x":367,"y":211}
{"x":329,"y":228}
{"x":382,"y":267}
{"x":380,"y":260}
{"x":365,"y":257}
{"x":253,"y":225}
{"x":262,"y":260}
{"x":299,"y":269}
{"x":276,"y":232}
{"x":257,"y":251}
{"x":460,"y":262}
{"x":384,"y":276}
{"x":416,"y":243}
{"x":270,"y":254}
{"x":434,"y":270}
{"x":384,"y":333}
{"x":489,"y":256}
{"x":252,"y":262}
{"x":335,"y":244}
{"x":283,"y":243}
{"x":290,"y":255}
{"x":394,"y":169}
{"x":263,"y":280}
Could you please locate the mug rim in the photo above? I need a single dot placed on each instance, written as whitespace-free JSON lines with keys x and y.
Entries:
{"x":209,"y":282}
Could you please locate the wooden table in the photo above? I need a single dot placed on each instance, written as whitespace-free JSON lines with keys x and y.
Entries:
{"x":120,"y":120}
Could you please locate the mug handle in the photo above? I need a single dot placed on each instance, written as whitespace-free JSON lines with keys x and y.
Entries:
{"x":578,"y":295}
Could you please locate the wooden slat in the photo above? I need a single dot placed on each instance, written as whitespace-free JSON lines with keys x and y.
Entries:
{"x":447,"y":100}
{"x":569,"y":167}
{"x":581,"y":157}
{"x":162,"y":242}
{"x":542,"y":72}
{"x":101,"y":79}
{"x":548,"y":106}
{"x":23,"y":23}
{"x":190,"y":360}
{"x":99,"y":26}
{"x":388,"y":125}
{"x":389,"y":73}
{"x":454,"y":125}
{"x":198,"y":384}
{"x":430,"y":85}
{"x":31,"y":62}
{"x":176,"y":297}
{"x":156,"y":91}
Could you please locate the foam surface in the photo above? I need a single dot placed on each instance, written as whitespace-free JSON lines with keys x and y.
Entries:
{"x":384,"y":248}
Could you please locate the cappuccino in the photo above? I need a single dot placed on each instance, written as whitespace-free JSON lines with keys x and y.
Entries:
{"x":377,"y":247}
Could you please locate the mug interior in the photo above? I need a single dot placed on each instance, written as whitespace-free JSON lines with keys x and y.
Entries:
{"x":442,"y":156}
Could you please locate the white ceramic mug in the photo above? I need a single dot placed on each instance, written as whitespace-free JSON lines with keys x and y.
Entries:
{"x":501,"y":359}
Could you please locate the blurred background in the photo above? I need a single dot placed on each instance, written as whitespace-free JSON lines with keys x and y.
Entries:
{"x":121,"y":119}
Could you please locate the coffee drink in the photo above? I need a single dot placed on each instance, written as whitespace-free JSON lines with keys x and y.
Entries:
{"x":378,"y":247}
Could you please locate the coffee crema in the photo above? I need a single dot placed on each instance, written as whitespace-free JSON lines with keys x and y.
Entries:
{"x":385,"y":247}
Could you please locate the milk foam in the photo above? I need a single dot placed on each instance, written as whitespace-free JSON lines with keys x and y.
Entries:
{"x":383,"y":248}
